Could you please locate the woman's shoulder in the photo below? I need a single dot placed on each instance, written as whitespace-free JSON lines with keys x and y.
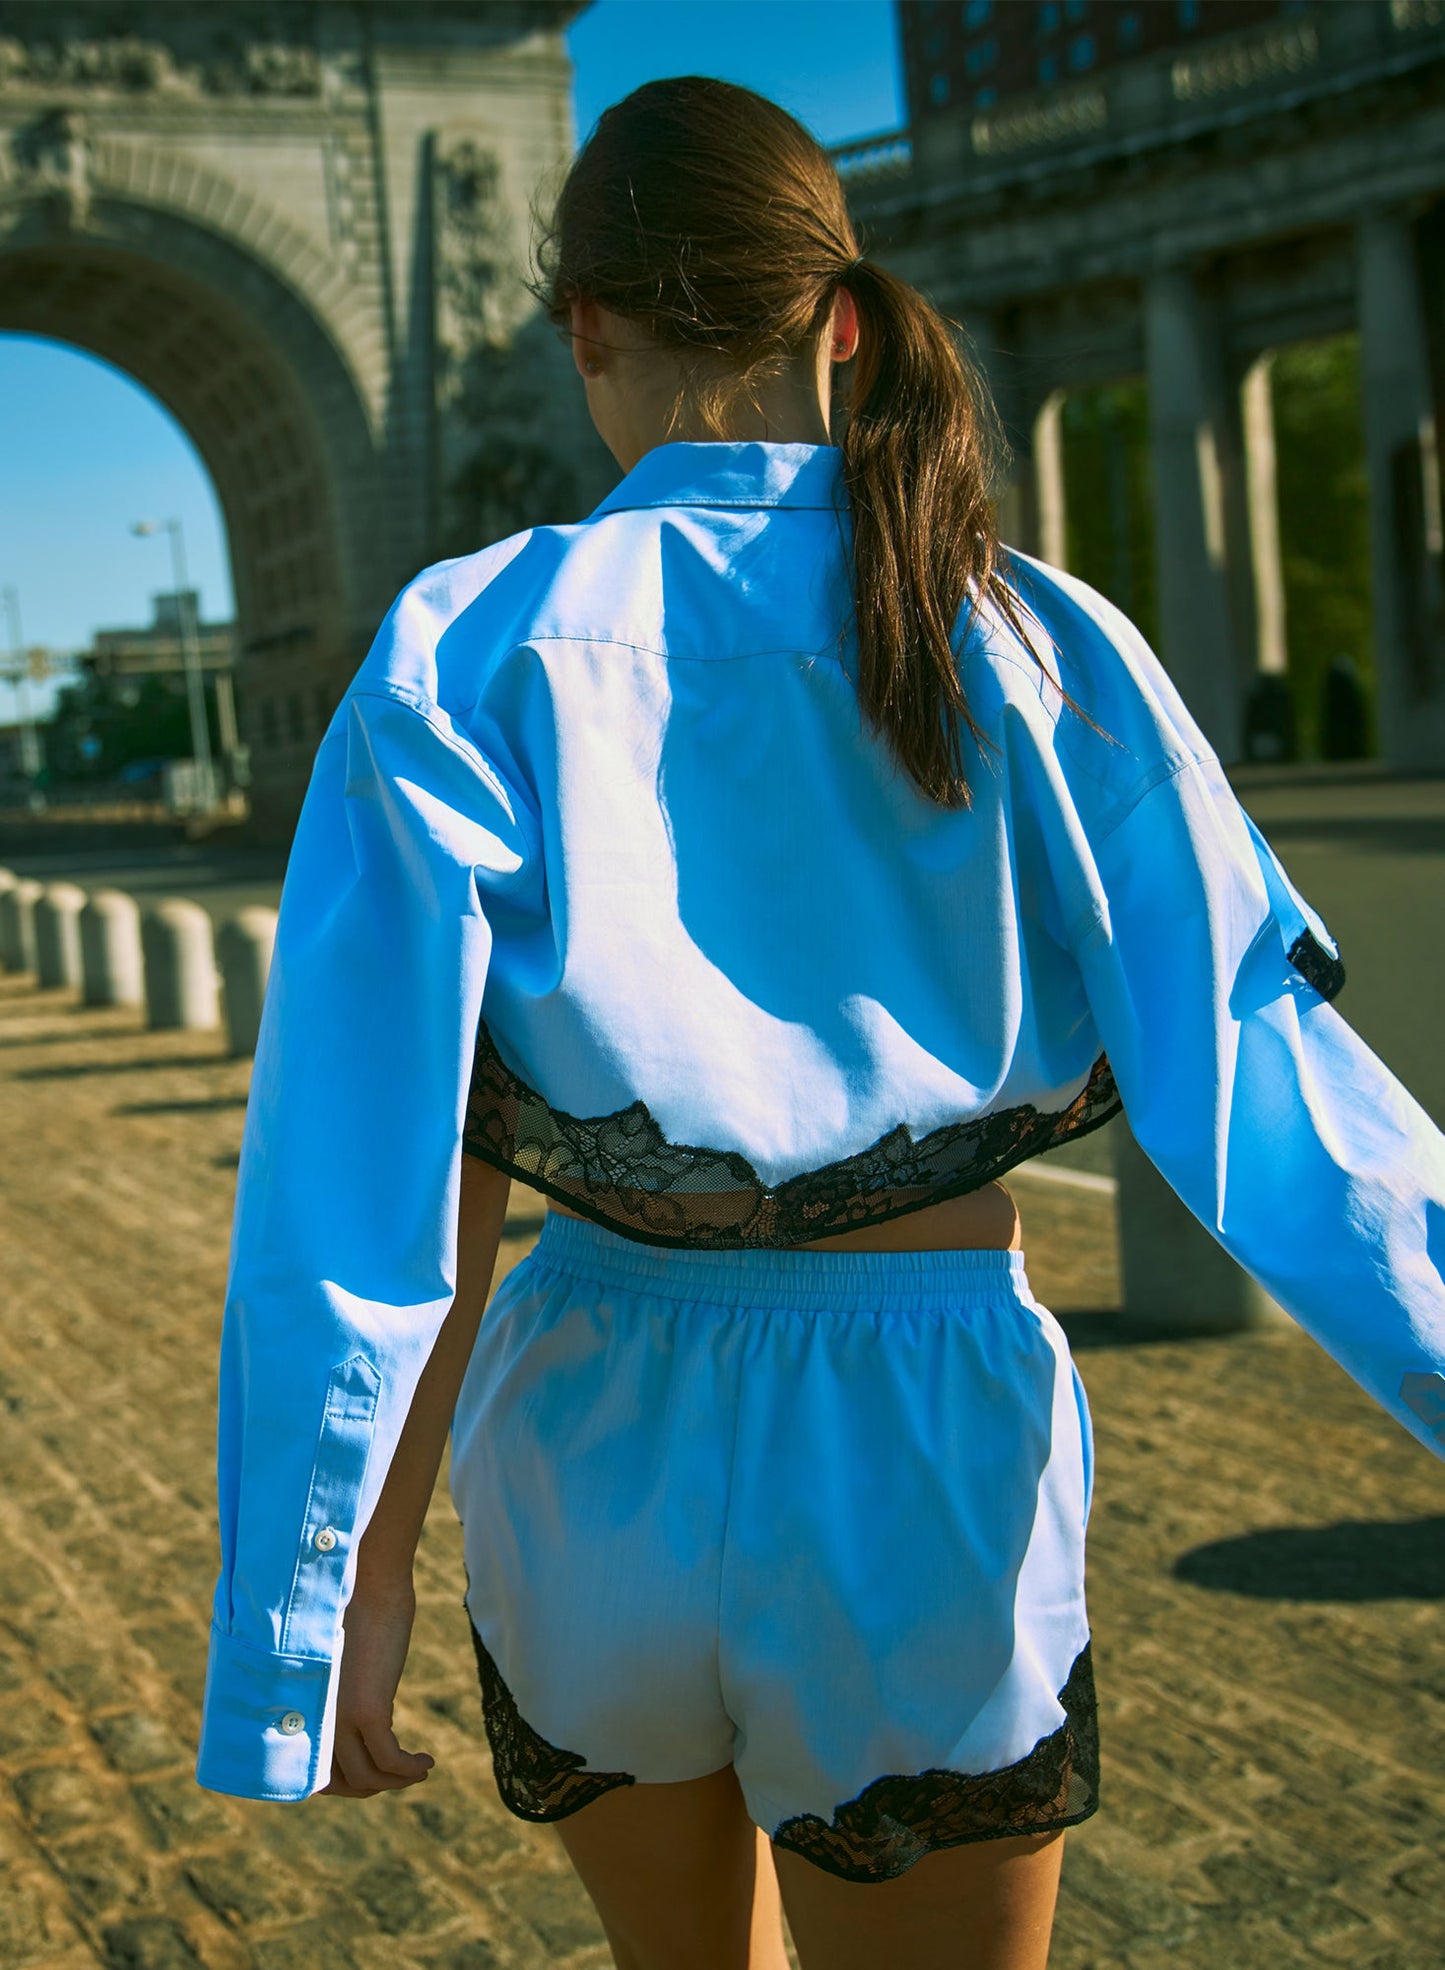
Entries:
{"x":1078,"y":679}
{"x":456,"y":619}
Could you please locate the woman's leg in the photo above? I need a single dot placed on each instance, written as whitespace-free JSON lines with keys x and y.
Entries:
{"x":680,"y":1876}
{"x":985,"y":1906}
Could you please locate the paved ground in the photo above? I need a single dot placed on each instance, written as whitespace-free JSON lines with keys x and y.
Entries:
{"x":1267,"y":1563}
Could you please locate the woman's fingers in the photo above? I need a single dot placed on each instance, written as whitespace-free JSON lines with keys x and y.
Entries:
{"x":387,"y":1755}
{"x":366,"y":1759}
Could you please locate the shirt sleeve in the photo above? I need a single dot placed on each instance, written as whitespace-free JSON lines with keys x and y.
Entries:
{"x":1210,"y":981}
{"x":343,"y":1250}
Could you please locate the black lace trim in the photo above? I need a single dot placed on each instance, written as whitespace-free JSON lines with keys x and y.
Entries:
{"x":894,"y":1822}
{"x":621,"y":1171}
{"x":535,"y":1779}
{"x":1315,"y":965}
{"x":885,"y":1830}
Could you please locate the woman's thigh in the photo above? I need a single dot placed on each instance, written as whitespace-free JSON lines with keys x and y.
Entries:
{"x":679,"y":1875}
{"x":988,"y":1905}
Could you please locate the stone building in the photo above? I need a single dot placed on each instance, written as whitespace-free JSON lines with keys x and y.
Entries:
{"x":305,"y":227}
{"x":1255,"y":177}
{"x":157,"y":648}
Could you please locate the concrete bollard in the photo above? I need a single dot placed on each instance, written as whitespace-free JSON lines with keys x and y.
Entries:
{"x":179,"y":958}
{"x":1177,"y":1278}
{"x":57,"y":934}
{"x":8,"y":880}
{"x":17,"y":924}
{"x":112,"y":973}
{"x":243,"y":948}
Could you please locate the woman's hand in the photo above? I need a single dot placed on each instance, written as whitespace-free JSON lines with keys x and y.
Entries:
{"x":367,"y":1758}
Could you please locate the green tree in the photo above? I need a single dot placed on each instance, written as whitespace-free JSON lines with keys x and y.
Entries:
{"x":103,"y":723}
{"x":1323,"y":519}
{"x":1109,"y":508}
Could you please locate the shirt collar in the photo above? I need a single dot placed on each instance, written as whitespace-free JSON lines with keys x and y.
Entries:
{"x":730,"y":473}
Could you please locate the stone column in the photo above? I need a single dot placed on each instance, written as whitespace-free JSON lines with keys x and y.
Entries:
{"x":991,"y":345}
{"x":1176,"y":1278}
{"x":1188,"y":431}
{"x":1404,"y":494}
{"x":1271,"y":647}
{"x":1053,"y":544}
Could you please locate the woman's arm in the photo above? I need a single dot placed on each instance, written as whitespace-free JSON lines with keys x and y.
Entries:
{"x":1209,"y":978}
{"x":367,"y":1757}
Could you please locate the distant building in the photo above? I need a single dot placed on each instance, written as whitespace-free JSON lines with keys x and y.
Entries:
{"x":159,"y":649}
{"x":970,"y":54}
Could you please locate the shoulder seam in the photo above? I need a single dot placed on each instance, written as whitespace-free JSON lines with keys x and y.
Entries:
{"x":1163,"y":771}
{"x":432,"y":713}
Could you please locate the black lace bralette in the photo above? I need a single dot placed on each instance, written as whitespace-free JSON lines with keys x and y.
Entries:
{"x":621,"y":1170}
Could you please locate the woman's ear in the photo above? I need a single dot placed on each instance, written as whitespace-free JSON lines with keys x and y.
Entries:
{"x":843,"y":334}
{"x":586,"y":338}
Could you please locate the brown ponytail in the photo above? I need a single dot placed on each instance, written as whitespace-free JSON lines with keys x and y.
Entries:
{"x":710,"y":217}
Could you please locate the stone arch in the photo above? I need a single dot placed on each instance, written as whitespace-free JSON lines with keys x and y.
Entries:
{"x":197,"y":306}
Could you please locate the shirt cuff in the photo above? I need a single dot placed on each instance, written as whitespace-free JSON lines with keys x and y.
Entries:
{"x":267,"y":1722}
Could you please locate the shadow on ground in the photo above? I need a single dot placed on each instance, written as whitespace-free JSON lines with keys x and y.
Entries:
{"x":1356,"y":1560}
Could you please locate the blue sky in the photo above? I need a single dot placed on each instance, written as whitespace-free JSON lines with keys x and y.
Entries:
{"x":84,"y":452}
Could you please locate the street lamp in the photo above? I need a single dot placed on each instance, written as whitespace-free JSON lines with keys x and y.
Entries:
{"x":190,"y":655}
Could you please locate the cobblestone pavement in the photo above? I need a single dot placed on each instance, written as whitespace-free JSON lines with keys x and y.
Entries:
{"x":1267,"y":1563}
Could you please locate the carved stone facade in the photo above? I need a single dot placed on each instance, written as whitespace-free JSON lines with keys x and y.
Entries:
{"x":305,"y":228}
{"x":1183,"y":219}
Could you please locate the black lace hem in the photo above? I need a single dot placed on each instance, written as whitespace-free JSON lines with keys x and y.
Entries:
{"x":537,"y":1781}
{"x":621,"y":1171}
{"x":1315,"y":965}
{"x":897,"y":1820}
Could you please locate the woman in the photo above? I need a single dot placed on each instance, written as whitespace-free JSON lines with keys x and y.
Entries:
{"x":759,"y":869}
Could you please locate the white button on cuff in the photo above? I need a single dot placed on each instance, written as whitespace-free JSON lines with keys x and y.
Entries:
{"x":293,"y":1722}
{"x":325,"y":1539}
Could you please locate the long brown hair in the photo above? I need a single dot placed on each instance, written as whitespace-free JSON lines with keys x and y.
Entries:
{"x":713,"y":220}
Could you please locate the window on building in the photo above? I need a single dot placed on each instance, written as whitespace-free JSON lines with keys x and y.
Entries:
{"x":934,"y":45}
{"x":270,"y":732}
{"x":1081,"y":52}
{"x":1048,"y":70}
{"x":1048,"y":22}
{"x":1076,"y":10}
{"x":985,"y":98}
{"x":1188,"y":13}
{"x":981,"y":56}
{"x":976,"y":12}
{"x":1128,"y":30}
{"x":938,"y":89}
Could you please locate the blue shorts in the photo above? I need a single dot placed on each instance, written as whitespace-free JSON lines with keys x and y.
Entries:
{"x":816,"y":1514}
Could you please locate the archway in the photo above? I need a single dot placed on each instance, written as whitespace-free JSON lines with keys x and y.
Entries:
{"x":253,"y":377}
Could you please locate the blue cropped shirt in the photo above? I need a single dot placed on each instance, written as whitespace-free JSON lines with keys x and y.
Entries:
{"x":599,"y":877}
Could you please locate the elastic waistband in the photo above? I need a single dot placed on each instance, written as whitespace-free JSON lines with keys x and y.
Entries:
{"x":821,"y":1281}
